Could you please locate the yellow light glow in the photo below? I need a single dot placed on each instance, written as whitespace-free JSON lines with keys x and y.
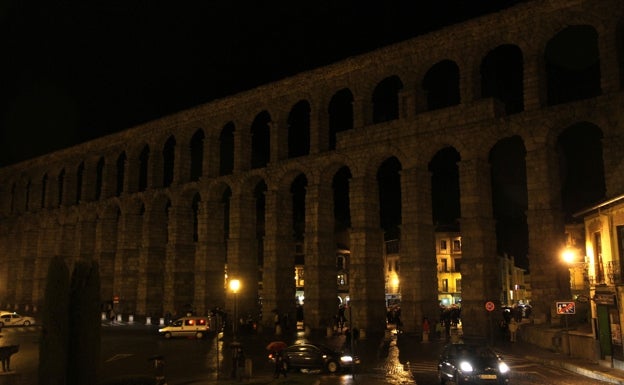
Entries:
{"x":569,"y":256}
{"x":234,"y":285}
{"x":395,"y":281}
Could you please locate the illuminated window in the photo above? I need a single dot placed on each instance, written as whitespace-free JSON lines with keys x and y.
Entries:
{"x":443,"y":245}
{"x":456,"y":245}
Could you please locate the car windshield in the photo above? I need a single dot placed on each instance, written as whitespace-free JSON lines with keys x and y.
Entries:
{"x":471,"y":351}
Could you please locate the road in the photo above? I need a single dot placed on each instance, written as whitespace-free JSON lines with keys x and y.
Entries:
{"x":126,"y":351}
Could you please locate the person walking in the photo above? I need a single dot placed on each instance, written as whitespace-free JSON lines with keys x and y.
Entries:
{"x":239,"y":362}
{"x":280,"y":365}
{"x":513,"y":329}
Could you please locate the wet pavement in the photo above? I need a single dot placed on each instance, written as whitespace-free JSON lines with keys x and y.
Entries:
{"x":384,"y":360}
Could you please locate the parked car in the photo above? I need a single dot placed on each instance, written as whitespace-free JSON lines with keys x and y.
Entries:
{"x":195,"y":326}
{"x":316,"y":356}
{"x":12,"y":318}
{"x":471,"y":364}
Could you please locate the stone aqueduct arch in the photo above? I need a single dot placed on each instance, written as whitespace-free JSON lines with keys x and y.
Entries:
{"x":164,"y":245}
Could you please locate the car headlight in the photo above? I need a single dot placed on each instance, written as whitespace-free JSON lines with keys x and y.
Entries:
{"x":346,"y":359}
{"x":502,"y":367}
{"x":465,"y":366}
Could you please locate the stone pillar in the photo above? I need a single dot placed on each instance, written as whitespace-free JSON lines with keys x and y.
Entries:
{"x":182,"y":160}
{"x":26,"y":266}
{"x":550,"y":279}
{"x":66,"y":244}
{"x":534,"y":81}
{"x":407,"y":104}
{"x":418,"y":277}
{"x":278,"y":132}
{"x":479,"y":266}
{"x":85,"y":234}
{"x":155,"y":169}
{"x":613,"y":153}
{"x":319,"y":129}
{"x":179,"y":281}
{"x":153,"y":261}
{"x":609,"y":63}
{"x":210,"y":257}
{"x":105,"y":248}
{"x":48,"y":233}
{"x":109,"y":178}
{"x":469,"y":86}
{"x":361,"y":112}
{"x":242,"y":148}
{"x":34,"y":195}
{"x":320,"y":257}
{"x":69,"y":187}
{"x":212,"y":157}
{"x":242,"y":252}
{"x":132,"y":171}
{"x":366,"y":270}
{"x":89,"y":178}
{"x":279,"y":265}
{"x":130,"y":236}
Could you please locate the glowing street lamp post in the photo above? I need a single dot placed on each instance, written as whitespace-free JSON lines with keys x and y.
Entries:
{"x":235,"y":287}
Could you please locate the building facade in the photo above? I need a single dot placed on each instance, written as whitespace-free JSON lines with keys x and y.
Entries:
{"x":238,"y":182}
{"x":597,"y":264}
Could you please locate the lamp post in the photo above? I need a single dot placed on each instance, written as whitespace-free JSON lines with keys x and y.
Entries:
{"x":235,"y":287}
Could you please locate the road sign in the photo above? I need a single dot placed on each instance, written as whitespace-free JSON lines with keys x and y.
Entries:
{"x":566,"y":308}
{"x":489,"y":306}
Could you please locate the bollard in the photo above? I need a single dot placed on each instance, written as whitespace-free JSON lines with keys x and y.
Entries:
{"x":118,"y":317}
{"x":131,"y":318}
{"x":103,"y":316}
{"x":148,"y":320}
{"x":162,"y":321}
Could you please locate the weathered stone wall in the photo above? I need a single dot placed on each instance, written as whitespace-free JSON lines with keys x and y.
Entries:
{"x":164,"y":242}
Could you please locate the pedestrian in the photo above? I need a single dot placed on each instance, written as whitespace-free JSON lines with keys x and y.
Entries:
{"x":280,"y":364}
{"x":238,"y":363}
{"x":439,"y":329}
{"x":112,"y":316}
{"x":426,"y":329}
{"x":447,"y":328}
{"x":504,"y":328}
{"x":513,"y":329}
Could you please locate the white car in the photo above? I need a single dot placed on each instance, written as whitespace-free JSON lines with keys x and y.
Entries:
{"x":12,"y":318}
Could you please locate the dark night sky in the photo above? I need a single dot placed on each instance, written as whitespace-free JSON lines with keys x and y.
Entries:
{"x":73,"y":71}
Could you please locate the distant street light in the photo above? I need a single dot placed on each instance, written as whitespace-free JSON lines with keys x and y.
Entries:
{"x":235,"y":287}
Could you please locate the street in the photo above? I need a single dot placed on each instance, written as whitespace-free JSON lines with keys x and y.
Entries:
{"x":126,"y":351}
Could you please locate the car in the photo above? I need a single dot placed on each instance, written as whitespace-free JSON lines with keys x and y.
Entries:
{"x":12,"y":318}
{"x":316,"y":356}
{"x":464,"y":363}
{"x":194,"y":326}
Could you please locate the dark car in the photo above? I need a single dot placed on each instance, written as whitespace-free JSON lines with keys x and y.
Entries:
{"x":472,"y":364}
{"x":316,"y":356}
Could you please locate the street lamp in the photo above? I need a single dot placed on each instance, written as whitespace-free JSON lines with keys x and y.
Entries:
{"x":235,"y":287}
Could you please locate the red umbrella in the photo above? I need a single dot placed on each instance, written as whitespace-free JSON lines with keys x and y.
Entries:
{"x":276,"y":346}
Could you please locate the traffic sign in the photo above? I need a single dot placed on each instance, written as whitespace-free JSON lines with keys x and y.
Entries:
{"x":566,"y":308}
{"x":489,"y":306}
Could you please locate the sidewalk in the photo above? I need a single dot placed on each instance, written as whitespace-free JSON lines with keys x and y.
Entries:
{"x":579,"y":366}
